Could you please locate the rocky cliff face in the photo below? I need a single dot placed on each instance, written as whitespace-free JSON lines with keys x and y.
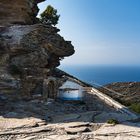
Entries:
{"x":18,"y":11}
{"x":28,"y":53}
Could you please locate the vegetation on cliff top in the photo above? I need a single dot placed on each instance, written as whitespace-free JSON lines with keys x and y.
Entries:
{"x":135,"y":107}
{"x":49,"y":16}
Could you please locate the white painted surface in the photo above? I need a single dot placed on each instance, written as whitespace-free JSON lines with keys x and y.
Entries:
{"x":71,"y":84}
{"x":71,"y":95}
{"x":71,"y":91}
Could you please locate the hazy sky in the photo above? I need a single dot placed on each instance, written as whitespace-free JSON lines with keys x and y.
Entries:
{"x":102,"y":31}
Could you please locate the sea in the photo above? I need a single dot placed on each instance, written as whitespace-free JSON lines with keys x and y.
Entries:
{"x":99,"y":75}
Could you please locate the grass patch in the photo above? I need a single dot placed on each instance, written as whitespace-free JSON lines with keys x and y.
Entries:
{"x":112,"y":121}
{"x":135,"y":107}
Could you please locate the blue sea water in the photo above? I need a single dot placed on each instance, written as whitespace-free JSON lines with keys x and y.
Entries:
{"x":104,"y":74}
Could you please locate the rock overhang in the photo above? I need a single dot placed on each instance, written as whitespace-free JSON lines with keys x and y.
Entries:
{"x":29,"y":50}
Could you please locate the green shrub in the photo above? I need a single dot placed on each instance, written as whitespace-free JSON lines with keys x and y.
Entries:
{"x":49,"y":16}
{"x":135,"y":107}
{"x":112,"y":121}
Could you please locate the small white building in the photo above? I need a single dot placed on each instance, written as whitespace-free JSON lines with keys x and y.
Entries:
{"x":71,"y":90}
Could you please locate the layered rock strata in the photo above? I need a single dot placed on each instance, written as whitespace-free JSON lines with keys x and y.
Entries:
{"x":18,"y":11}
{"x":29,"y":53}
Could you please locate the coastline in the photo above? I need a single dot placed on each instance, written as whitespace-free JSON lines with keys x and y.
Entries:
{"x":104,"y":74}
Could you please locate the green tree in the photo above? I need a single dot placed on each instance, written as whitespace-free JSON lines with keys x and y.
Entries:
{"x":49,"y":16}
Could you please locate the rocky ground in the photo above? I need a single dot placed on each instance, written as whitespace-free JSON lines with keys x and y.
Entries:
{"x":53,"y":120}
{"x":129,"y":91}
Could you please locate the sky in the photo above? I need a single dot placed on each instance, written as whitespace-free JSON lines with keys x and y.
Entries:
{"x":103,"y":32}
